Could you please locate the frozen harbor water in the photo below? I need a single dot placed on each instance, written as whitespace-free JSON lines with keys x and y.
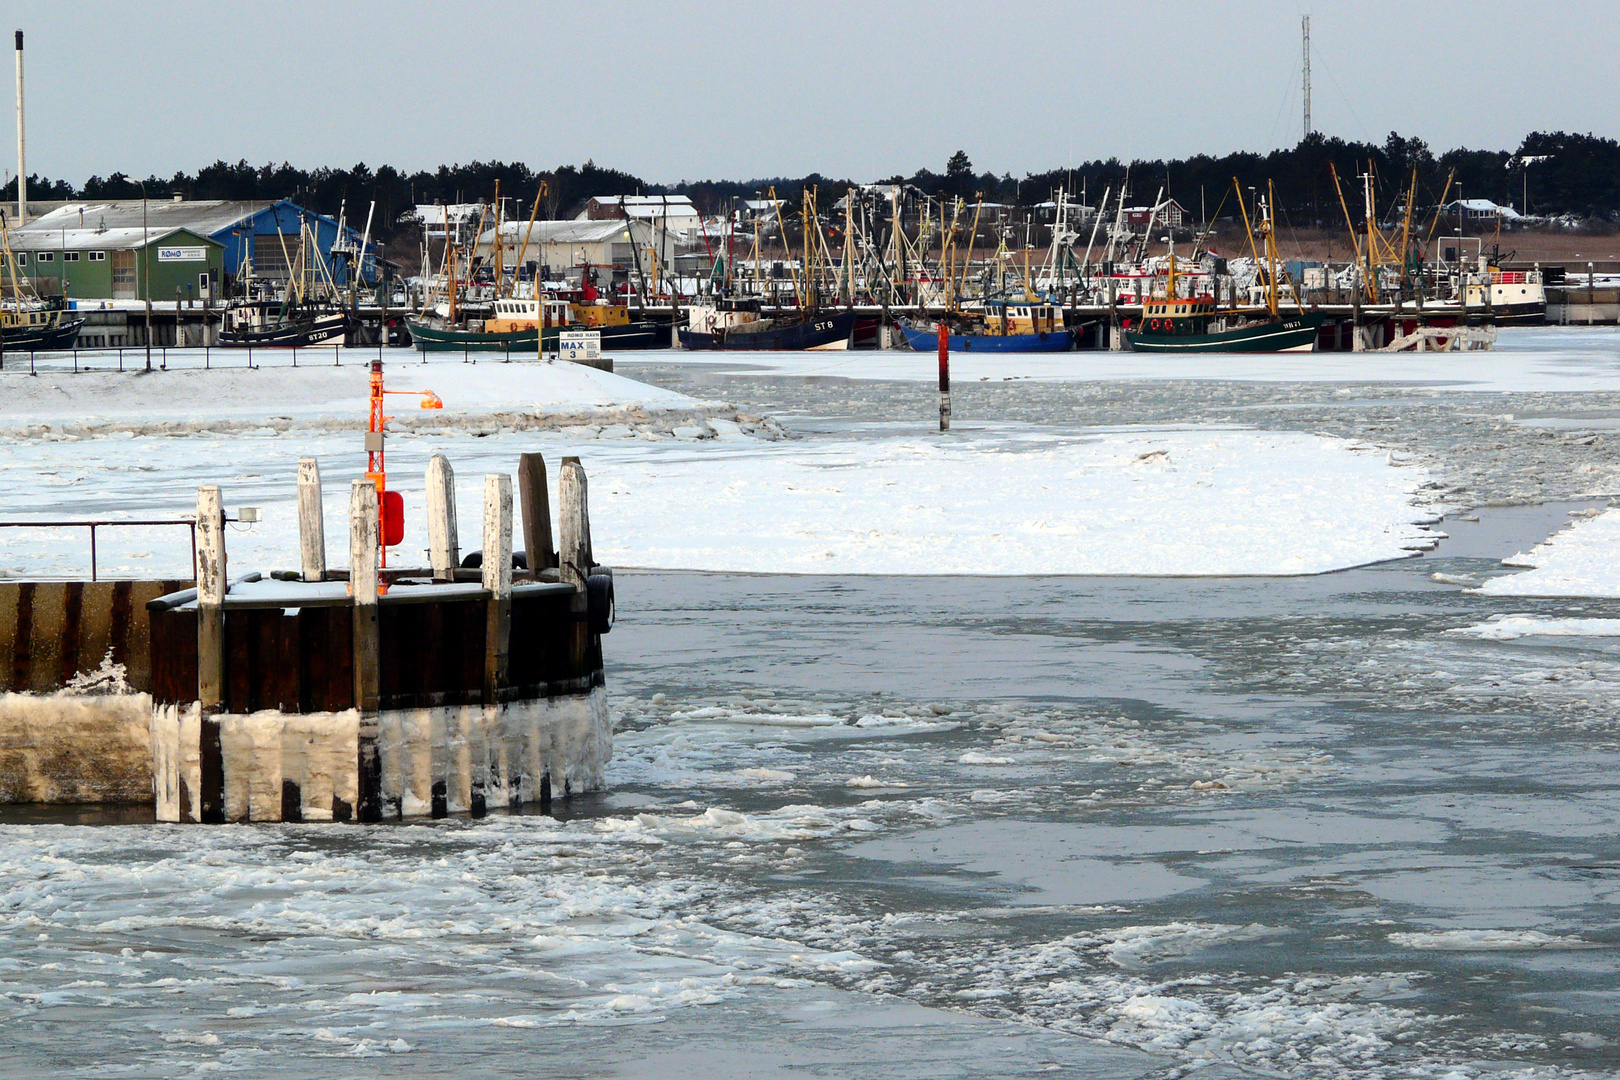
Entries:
{"x":1353,"y":824}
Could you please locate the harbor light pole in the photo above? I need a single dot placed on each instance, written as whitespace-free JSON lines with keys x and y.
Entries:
{"x":146,"y":275}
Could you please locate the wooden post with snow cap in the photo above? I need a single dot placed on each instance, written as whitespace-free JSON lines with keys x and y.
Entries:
{"x":363,"y":548}
{"x":497,"y":581}
{"x":535,"y":502}
{"x":574,"y":550}
{"x":573,"y":524}
{"x":444,"y":545}
{"x":497,"y":575}
{"x":211,"y":587}
{"x":944,"y":377}
{"x":311,"y":520}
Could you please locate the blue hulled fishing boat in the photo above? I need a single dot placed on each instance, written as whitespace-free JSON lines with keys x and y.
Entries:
{"x":999,"y":327}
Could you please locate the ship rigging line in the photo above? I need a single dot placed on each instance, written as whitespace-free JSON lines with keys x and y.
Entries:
{"x":1365,"y":134}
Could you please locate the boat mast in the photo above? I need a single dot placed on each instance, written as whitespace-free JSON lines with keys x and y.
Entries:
{"x":1153,"y":215}
{"x":1244,"y":210}
{"x":360,"y":259}
{"x":635,"y":251}
{"x":758,"y":284}
{"x":1373,"y":260}
{"x":1116,"y":233}
{"x":846,"y":270}
{"x":731,"y":243}
{"x":808,"y":215}
{"x":1102,"y":208}
{"x":524,"y":250}
{"x":1271,"y":251}
{"x":11,"y":263}
{"x":500,"y":245}
{"x":1406,"y":226}
{"x":898,"y":240}
{"x":1170,"y":280}
{"x":973,"y":235}
{"x":793,"y":271}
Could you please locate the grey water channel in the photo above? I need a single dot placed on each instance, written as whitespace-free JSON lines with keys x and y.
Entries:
{"x":1291,"y":823}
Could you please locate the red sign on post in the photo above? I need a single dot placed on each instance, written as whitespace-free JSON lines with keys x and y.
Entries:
{"x":393,"y":518}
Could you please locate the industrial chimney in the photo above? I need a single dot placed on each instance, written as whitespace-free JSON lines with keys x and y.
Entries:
{"x":22,"y":160}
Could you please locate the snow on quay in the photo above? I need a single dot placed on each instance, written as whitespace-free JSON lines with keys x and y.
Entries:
{"x":275,"y":396}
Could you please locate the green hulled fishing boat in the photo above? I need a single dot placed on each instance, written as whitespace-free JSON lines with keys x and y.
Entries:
{"x":433,"y":337}
{"x":1194,"y":325}
{"x":1173,"y":323}
{"x":514,"y":322}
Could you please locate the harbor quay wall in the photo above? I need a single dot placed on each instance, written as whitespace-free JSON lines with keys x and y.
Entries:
{"x":68,"y":748}
{"x":432,"y":761}
{"x":100,"y":706}
{"x":1579,"y":305}
{"x":75,"y":671}
{"x":289,"y":741}
{"x":54,"y":634}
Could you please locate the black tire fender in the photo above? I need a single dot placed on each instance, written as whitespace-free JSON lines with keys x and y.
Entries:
{"x":599,"y":600}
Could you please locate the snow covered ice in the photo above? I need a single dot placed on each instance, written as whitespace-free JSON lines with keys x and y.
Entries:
{"x":1151,"y":724}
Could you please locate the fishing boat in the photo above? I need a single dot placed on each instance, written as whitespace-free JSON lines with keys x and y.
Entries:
{"x":514,"y":326}
{"x":740,"y":324}
{"x":1502,"y":297}
{"x":29,"y":322}
{"x":308,"y":310}
{"x":33,"y":325}
{"x":1194,"y":325}
{"x":279,"y":324}
{"x":591,"y":312}
{"x":514,"y":323}
{"x":1173,"y":323}
{"x":999,"y":326}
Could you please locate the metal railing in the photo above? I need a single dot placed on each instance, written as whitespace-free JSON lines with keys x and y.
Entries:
{"x":161,"y":353}
{"x":190,"y":523}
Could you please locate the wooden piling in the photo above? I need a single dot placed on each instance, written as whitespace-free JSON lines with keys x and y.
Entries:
{"x":535,"y":501}
{"x":574,"y":551}
{"x":444,"y":545}
{"x":363,"y":548}
{"x":311,"y":520}
{"x":498,"y":581}
{"x":1116,"y":340}
{"x":945,"y":376}
{"x":573,"y":524}
{"x":211,"y":586}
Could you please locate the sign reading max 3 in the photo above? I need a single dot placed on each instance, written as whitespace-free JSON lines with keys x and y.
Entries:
{"x":182,"y":254}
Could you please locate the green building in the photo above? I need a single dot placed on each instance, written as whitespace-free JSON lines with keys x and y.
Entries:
{"x":88,"y":264}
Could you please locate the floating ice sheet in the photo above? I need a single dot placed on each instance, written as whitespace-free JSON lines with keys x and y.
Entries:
{"x":1583,"y":560}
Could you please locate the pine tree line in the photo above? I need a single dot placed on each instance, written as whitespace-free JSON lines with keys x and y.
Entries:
{"x":1562,"y":174}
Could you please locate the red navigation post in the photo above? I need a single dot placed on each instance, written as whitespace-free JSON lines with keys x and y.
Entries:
{"x":390,"y":504}
{"x":944,"y":377}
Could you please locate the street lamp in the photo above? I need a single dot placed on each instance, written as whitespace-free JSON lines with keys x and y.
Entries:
{"x":146,"y":274}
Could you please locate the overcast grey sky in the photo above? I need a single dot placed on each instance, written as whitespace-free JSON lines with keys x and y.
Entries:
{"x":675,"y":90}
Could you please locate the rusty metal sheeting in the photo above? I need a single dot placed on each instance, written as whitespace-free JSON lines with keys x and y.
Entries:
{"x":299,"y":660}
{"x":54,"y":631}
